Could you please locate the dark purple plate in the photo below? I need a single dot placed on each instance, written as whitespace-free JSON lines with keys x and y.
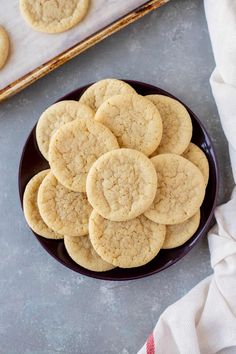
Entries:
{"x":32,"y":162}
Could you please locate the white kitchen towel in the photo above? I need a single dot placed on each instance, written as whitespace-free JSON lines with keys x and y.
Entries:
{"x":204,"y":320}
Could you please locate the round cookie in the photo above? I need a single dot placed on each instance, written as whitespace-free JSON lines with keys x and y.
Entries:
{"x":99,"y":92}
{"x":64,"y":211}
{"x":74,"y":148}
{"x":194,"y":154}
{"x":180,"y":190}
{"x":177,"y":235}
{"x":134,"y":120}
{"x":54,"y":117}
{"x":177,"y":125}
{"x":126,"y":244}
{"x":82,"y":252}
{"x":4,"y":46}
{"x":53,"y":16}
{"x":121,"y":184}
{"x":31,"y":211}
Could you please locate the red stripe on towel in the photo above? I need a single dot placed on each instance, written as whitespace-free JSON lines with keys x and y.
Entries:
{"x":150,"y":345}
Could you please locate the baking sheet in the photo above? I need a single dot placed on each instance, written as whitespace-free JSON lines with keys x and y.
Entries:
{"x":31,"y":49}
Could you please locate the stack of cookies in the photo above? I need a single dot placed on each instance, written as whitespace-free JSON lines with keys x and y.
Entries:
{"x":124,"y":180}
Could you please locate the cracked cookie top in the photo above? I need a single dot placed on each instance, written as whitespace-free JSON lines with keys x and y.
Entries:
{"x":53,"y":16}
{"x":82,"y":252}
{"x":134,"y":120}
{"x":75,"y":147}
{"x":177,"y":125}
{"x":31,"y":210}
{"x":101,"y":90}
{"x":180,"y":190}
{"x":65,"y":211}
{"x":126,"y":244}
{"x":177,"y":235}
{"x":194,"y":154}
{"x":54,"y":117}
{"x":121,"y":184}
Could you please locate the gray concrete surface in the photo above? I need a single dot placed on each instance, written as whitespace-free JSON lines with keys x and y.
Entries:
{"x":46,"y":308}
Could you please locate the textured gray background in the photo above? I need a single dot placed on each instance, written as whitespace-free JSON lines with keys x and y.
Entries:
{"x":46,"y":308}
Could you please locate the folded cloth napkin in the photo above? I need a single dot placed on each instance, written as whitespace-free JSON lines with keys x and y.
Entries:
{"x":204,"y":320}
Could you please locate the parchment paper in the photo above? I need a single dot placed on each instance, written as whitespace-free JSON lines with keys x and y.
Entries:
{"x":30,"y":49}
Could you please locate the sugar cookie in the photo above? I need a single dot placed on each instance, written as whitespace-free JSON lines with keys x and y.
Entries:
{"x":126,"y":244}
{"x":177,"y":125}
{"x":75,"y":147}
{"x":101,"y":90}
{"x":177,"y":235}
{"x":31,"y":210}
{"x":121,"y":184}
{"x":65,"y":211}
{"x":53,"y":16}
{"x":180,"y":190}
{"x":82,"y":252}
{"x":54,"y":117}
{"x":4,"y":46}
{"x":134,"y":120}
{"x":194,"y":154}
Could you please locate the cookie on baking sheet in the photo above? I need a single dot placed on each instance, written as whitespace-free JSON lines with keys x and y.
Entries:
{"x":64,"y":211}
{"x":194,"y":154}
{"x":31,"y":211}
{"x":126,"y":244}
{"x":121,"y":184}
{"x":53,"y":16}
{"x":82,"y":252}
{"x":134,"y":120}
{"x":4,"y":46}
{"x":177,"y":125}
{"x":74,"y":148}
{"x":177,"y":235}
{"x":54,"y":117}
{"x":101,"y":90}
{"x":180,"y":190}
